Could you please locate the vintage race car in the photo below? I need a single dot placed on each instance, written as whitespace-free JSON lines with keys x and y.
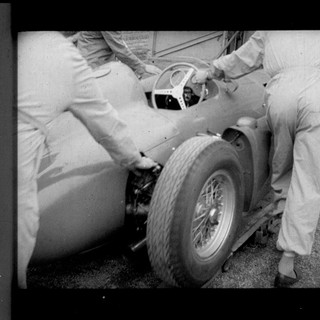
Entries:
{"x":212,"y":144}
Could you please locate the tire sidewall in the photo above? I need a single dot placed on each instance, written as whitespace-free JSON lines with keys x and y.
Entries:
{"x":197,"y":270}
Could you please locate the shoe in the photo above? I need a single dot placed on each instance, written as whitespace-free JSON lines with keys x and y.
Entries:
{"x":283,"y":281}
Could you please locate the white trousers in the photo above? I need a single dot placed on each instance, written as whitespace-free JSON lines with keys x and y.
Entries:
{"x":30,"y":150}
{"x":294,"y":118}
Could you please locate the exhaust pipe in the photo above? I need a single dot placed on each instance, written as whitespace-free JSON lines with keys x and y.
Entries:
{"x":138,"y":245}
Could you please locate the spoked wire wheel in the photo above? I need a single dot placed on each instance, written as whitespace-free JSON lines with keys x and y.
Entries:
{"x":195,"y":212}
{"x":213,"y":214}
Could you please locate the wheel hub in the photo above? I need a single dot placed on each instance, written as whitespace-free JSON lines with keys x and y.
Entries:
{"x":212,"y":214}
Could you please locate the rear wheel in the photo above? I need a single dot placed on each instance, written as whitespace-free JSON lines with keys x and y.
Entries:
{"x":195,"y":212}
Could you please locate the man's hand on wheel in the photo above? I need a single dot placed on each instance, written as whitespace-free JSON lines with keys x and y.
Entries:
{"x":203,"y":75}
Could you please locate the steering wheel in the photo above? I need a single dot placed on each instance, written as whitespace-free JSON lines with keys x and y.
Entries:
{"x":186,"y":71}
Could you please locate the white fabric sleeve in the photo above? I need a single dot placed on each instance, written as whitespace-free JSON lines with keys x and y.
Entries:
{"x":244,"y":60}
{"x":98,"y":115}
{"x":122,"y":51}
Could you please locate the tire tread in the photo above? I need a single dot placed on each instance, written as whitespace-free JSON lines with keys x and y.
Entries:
{"x":163,"y":203}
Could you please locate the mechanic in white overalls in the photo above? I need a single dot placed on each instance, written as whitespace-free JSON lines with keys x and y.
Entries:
{"x":100,"y":47}
{"x":292,"y":59}
{"x":52,"y":78}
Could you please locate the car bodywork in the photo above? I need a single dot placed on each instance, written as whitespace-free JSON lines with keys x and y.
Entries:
{"x":83,"y":193}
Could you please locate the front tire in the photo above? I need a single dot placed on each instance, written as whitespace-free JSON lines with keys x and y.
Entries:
{"x":195,"y":212}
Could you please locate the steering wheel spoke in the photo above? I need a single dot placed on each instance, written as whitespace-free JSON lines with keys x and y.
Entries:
{"x":181,"y":102}
{"x":163,"y":91}
{"x":186,"y":78}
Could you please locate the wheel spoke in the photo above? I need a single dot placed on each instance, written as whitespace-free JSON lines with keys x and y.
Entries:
{"x":200,"y":216}
{"x":210,"y":194}
{"x":163,"y":91}
{"x":182,"y":103}
{"x":186,"y":78}
{"x":195,"y":238}
{"x":207,"y":199}
{"x":199,"y":225}
{"x":210,"y":214}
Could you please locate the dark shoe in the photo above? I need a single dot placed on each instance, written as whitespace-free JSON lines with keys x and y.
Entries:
{"x":283,"y":281}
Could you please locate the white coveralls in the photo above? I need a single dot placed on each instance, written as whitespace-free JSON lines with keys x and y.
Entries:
{"x":292,"y":59}
{"x":52,"y":78}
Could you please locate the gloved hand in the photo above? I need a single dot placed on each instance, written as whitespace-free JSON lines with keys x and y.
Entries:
{"x":203,"y":75}
{"x":149,"y":68}
{"x":144,"y":163}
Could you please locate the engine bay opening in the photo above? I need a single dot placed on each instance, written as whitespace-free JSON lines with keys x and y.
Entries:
{"x":138,"y":197}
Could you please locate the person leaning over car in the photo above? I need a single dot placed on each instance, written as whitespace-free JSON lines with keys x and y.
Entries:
{"x":52,"y":78}
{"x":100,"y":47}
{"x":292,"y":59}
